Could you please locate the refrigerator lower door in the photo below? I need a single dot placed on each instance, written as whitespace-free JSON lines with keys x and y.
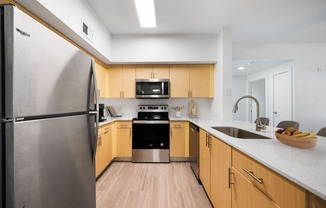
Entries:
{"x":45,"y":74}
{"x":50,"y":163}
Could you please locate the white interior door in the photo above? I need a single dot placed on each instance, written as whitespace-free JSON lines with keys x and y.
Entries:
{"x":282,"y":97}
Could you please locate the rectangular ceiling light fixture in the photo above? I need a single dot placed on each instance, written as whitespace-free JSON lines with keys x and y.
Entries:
{"x":146,"y":13}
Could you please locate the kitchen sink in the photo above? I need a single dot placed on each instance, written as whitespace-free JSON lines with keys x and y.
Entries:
{"x":238,"y":133}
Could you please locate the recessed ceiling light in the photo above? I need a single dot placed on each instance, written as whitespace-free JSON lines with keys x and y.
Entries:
{"x":241,"y":68}
{"x":146,"y":13}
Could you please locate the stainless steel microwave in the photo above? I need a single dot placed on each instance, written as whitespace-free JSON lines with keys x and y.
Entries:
{"x":152,"y":88}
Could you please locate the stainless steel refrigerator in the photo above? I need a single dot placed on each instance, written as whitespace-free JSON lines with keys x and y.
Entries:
{"x":48,"y":117}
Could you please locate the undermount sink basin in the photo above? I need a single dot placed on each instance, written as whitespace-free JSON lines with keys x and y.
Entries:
{"x":238,"y":133}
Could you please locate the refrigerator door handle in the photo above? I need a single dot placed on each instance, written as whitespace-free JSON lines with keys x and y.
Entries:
{"x":93,"y":95}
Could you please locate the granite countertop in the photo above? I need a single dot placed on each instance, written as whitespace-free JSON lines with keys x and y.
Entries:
{"x":305,"y":167}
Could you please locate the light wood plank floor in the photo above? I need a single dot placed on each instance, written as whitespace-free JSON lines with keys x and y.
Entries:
{"x":150,"y":185}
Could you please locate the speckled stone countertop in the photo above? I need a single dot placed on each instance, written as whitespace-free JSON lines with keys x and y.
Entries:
{"x":305,"y":167}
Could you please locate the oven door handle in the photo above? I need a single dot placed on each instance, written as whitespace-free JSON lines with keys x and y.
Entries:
{"x":150,"y":122}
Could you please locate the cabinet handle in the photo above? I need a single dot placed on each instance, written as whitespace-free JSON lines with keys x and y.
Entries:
{"x":230,"y":183}
{"x":106,"y":132}
{"x":251,"y":173}
{"x":130,"y":133}
{"x":209,"y":141}
{"x":206,"y":140}
{"x":100,"y":141}
{"x":171,"y":133}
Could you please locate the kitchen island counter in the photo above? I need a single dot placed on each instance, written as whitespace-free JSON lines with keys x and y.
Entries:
{"x":305,"y":167}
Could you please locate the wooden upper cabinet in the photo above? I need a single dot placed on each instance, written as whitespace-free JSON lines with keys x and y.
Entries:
{"x":101,"y":78}
{"x":192,"y":81}
{"x":115,"y":81}
{"x":128,"y":81}
{"x":144,"y":71}
{"x":179,"y":81}
{"x":201,"y":81}
{"x":161,"y":71}
{"x":121,"y":81}
{"x":152,"y":72}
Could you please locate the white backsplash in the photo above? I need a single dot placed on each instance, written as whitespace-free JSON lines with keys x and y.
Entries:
{"x":128,"y":107}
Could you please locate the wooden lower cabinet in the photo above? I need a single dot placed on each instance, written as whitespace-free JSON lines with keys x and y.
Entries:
{"x":124,"y":139}
{"x":228,"y":177}
{"x":103,"y":149}
{"x":215,"y":161}
{"x":245,"y":195}
{"x":220,"y":164}
{"x":205,"y":161}
{"x":276,"y":188}
{"x":178,"y":139}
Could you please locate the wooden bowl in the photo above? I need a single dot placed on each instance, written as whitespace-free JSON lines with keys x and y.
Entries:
{"x":300,"y":142}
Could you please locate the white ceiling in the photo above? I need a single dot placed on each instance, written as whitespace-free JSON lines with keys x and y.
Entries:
{"x":253,"y":66}
{"x":252,"y":21}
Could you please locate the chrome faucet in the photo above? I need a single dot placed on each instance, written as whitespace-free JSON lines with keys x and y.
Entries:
{"x":259,"y":125}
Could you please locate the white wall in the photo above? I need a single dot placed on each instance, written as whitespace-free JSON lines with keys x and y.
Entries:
{"x":164,"y":48}
{"x":222,"y":104}
{"x":239,"y":89}
{"x":309,"y":77}
{"x":66,"y":17}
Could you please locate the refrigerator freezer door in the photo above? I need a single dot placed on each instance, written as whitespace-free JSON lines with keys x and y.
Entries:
{"x":47,"y":75}
{"x":50,"y":163}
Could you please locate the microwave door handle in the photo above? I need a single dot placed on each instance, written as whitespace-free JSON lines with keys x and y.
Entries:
{"x":162,"y":88}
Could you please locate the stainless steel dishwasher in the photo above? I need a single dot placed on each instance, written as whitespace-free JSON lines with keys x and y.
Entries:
{"x":194,"y":149}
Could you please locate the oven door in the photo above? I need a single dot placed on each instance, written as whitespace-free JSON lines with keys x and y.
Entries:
{"x":149,"y":134}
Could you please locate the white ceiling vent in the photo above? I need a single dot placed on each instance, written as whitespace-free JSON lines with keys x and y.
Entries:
{"x":87,"y":31}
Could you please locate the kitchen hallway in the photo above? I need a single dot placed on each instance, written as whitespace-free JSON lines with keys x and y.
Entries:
{"x":150,"y":185}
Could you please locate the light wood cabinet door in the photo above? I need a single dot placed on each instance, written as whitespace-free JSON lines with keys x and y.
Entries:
{"x":124,"y":139}
{"x":106,"y":149}
{"x":220,"y":165}
{"x":245,"y":195}
{"x":280,"y":190}
{"x":161,"y":72}
{"x":101,"y":78}
{"x":179,"y":81}
{"x":152,"y":72}
{"x":128,"y":81}
{"x":204,"y":161}
{"x":144,"y":71}
{"x":115,"y":81}
{"x":98,"y":165}
{"x":201,"y":81}
{"x":121,"y":81}
{"x":177,"y":139}
{"x":103,"y":149}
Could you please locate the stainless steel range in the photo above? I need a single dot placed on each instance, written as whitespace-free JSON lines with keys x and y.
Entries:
{"x":150,"y":134}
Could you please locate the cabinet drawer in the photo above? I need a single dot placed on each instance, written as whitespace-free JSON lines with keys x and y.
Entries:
{"x":280,"y":190}
{"x":124,"y":124}
{"x":174,"y":124}
{"x":104,"y":129}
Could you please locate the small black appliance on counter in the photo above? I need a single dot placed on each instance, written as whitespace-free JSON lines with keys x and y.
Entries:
{"x":101,"y":108}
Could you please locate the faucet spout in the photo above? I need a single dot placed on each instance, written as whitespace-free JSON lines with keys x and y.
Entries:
{"x":259,"y":125}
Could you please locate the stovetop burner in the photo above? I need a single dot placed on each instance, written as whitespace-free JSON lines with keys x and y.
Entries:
{"x":153,"y":112}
